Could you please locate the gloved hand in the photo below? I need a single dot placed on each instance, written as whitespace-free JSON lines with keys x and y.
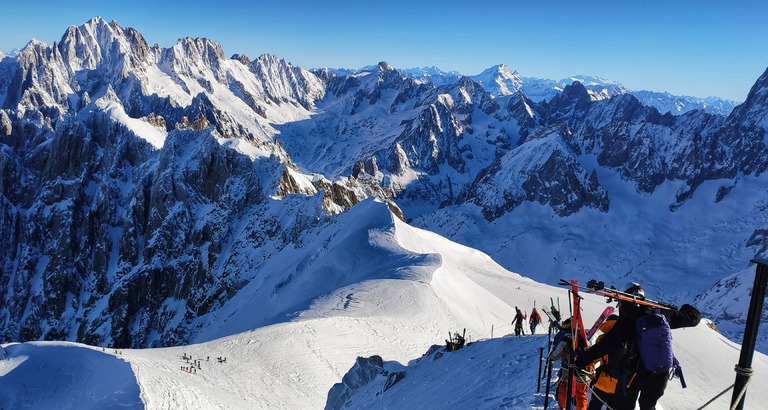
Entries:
{"x":581,"y":362}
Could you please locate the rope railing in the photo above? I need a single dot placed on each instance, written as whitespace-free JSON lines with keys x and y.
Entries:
{"x":746,"y":372}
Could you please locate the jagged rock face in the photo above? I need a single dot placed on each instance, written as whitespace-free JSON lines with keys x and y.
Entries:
{"x":556,"y":179}
{"x":454,"y":133}
{"x":115,"y":232}
{"x":754,"y":110}
{"x":109,"y":239}
{"x":433,"y":140}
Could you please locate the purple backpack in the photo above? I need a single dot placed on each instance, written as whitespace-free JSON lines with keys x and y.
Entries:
{"x":653,"y":341}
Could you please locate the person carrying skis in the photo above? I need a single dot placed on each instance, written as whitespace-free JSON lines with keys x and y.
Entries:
{"x":640,"y":382}
{"x":517,"y":322}
{"x":534,"y":320}
{"x":607,"y":368}
{"x":562,"y":349}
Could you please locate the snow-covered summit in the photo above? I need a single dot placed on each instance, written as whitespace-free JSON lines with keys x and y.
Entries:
{"x":432,"y":75}
{"x":500,"y":80}
{"x":666,"y":102}
{"x":245,"y":99}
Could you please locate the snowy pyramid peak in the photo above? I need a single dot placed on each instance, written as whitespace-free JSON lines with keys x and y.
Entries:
{"x":384,"y":66}
{"x":501,"y":70}
{"x":500,"y":80}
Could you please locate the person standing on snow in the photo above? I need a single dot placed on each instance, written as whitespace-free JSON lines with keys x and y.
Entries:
{"x":562,"y":350}
{"x":649,"y":386}
{"x":607,"y":370}
{"x":534,"y":320}
{"x":517,"y":322}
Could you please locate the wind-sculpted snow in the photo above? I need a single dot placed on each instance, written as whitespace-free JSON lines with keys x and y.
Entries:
{"x":65,"y":375}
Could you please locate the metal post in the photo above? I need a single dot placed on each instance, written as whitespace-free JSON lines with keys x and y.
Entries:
{"x":538,"y":378}
{"x":569,"y":402}
{"x":549,"y":337}
{"x":549,"y":381}
{"x":750,"y":333}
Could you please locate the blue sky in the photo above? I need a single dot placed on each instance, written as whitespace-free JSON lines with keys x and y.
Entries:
{"x":699,"y":48}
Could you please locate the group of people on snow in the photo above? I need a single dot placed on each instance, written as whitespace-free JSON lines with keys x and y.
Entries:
{"x":520,"y":318}
{"x":196,"y":364}
{"x":616,"y":367}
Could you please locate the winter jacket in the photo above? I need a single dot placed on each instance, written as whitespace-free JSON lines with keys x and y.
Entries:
{"x":535,"y":317}
{"x":608,"y":365}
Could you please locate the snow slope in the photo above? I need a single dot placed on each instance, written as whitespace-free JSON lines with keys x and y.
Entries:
{"x":62,"y":375}
{"x":395,"y":310}
{"x":502,"y":373}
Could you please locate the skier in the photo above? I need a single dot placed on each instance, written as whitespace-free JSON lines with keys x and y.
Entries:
{"x":562,"y":349}
{"x":607,"y":370}
{"x":648,"y":385}
{"x":517,"y":322}
{"x":534,"y":320}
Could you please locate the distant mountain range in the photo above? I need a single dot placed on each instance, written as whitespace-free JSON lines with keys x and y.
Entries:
{"x":144,"y":187}
{"x":500,"y":80}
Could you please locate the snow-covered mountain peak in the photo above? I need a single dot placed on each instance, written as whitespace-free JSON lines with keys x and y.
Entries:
{"x":100,"y":44}
{"x":598,"y":88}
{"x":500,"y":80}
{"x":432,"y":75}
{"x":384,"y":66}
{"x":108,"y":96}
{"x":501,"y":70}
{"x":588,"y":80}
{"x":242,"y":58}
{"x":576,"y":91}
{"x":202,"y":52}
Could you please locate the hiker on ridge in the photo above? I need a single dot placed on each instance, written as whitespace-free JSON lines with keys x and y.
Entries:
{"x":562,"y":349}
{"x":534,"y":320}
{"x":646,"y":384}
{"x":607,"y":370}
{"x":517,"y":322}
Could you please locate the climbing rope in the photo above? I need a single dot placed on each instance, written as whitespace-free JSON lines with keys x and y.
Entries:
{"x":747,"y":372}
{"x":716,"y":397}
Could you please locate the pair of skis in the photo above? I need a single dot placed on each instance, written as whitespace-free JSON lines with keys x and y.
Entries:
{"x":579,"y":334}
{"x":615,"y":294}
{"x":577,"y":329}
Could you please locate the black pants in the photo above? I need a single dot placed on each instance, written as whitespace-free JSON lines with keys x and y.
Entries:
{"x":648,"y":386}
{"x":599,"y":398}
